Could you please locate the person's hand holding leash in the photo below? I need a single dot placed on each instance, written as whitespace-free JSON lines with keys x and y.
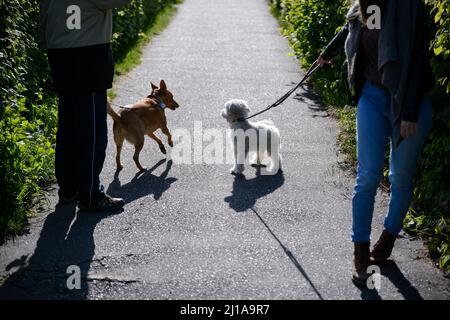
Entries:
{"x":322,"y":62}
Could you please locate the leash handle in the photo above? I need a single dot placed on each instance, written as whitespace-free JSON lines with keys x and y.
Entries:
{"x":308,"y":74}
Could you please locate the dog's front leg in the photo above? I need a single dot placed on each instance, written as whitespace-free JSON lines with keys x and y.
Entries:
{"x":158,"y":141}
{"x":238,"y":167}
{"x":166,"y":131}
{"x":257,"y":161}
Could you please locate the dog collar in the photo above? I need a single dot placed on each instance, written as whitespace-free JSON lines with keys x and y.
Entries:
{"x":161,"y":104}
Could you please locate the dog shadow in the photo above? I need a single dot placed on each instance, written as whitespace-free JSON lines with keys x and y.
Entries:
{"x":66,"y":239}
{"x":143,"y":184}
{"x":245,"y":192}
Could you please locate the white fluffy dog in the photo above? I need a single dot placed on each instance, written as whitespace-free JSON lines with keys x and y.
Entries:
{"x":261,"y":138}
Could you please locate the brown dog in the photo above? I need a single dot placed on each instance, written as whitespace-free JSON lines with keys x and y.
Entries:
{"x":144,"y":117}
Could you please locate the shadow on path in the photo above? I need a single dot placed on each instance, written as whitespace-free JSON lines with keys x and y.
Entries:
{"x":244,"y":195}
{"x":245,"y":192}
{"x":391,"y":271}
{"x":368,"y":294}
{"x":290,"y":256}
{"x":67,"y":238}
{"x":143,"y":184}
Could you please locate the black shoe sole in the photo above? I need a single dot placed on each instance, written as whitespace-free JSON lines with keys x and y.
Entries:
{"x":100,"y":210}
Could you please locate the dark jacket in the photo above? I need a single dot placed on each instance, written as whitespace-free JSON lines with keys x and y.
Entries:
{"x":404,"y":59}
{"x":80,"y":59}
{"x":82,"y":70}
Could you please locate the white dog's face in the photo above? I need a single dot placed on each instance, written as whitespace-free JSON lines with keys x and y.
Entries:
{"x":235,"y":109}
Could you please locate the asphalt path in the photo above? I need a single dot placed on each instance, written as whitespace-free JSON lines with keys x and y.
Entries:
{"x":192,"y":230}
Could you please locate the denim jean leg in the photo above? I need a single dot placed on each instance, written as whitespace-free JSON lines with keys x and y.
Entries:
{"x":373,"y":130}
{"x":403,"y":163}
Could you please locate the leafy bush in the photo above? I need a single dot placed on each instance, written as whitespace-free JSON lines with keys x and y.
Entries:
{"x":431,"y":219}
{"x":310,"y":25}
{"x":132,"y":20}
{"x":28,"y":115}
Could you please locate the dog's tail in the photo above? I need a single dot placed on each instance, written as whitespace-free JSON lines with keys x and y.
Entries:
{"x":112,"y":113}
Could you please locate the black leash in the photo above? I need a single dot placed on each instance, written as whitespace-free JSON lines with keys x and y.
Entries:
{"x":308,"y":74}
{"x":160,"y":104}
{"x":310,"y":71}
{"x":129,"y":91}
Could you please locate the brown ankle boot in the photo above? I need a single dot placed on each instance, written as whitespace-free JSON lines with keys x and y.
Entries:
{"x":383,"y":248}
{"x":361,"y":262}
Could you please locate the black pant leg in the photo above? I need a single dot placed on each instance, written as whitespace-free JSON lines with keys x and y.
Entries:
{"x":101,"y":133}
{"x":92,"y":142}
{"x":66,"y":147}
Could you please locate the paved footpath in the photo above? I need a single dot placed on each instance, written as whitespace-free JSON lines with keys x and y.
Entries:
{"x":193,"y":231}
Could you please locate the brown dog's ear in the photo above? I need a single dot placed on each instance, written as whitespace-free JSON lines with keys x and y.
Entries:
{"x":154,"y":86}
{"x":162,"y":85}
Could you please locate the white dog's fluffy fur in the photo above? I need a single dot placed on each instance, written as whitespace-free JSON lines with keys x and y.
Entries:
{"x":234,"y":112}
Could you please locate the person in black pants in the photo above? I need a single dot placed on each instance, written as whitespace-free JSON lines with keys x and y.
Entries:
{"x":82,"y":70}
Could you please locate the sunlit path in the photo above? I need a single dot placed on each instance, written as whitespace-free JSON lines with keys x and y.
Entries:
{"x":193,"y":231}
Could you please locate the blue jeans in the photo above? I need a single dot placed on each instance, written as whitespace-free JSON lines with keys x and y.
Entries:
{"x":374,"y":130}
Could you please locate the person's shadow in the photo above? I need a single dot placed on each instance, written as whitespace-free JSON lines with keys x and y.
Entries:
{"x":245,"y":192}
{"x":143,"y":184}
{"x":392,"y":272}
{"x":66,"y":239}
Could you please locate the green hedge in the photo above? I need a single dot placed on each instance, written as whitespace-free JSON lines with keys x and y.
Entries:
{"x":131,"y":21}
{"x":310,"y":25}
{"x":28,"y":114}
{"x":431,"y":217}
